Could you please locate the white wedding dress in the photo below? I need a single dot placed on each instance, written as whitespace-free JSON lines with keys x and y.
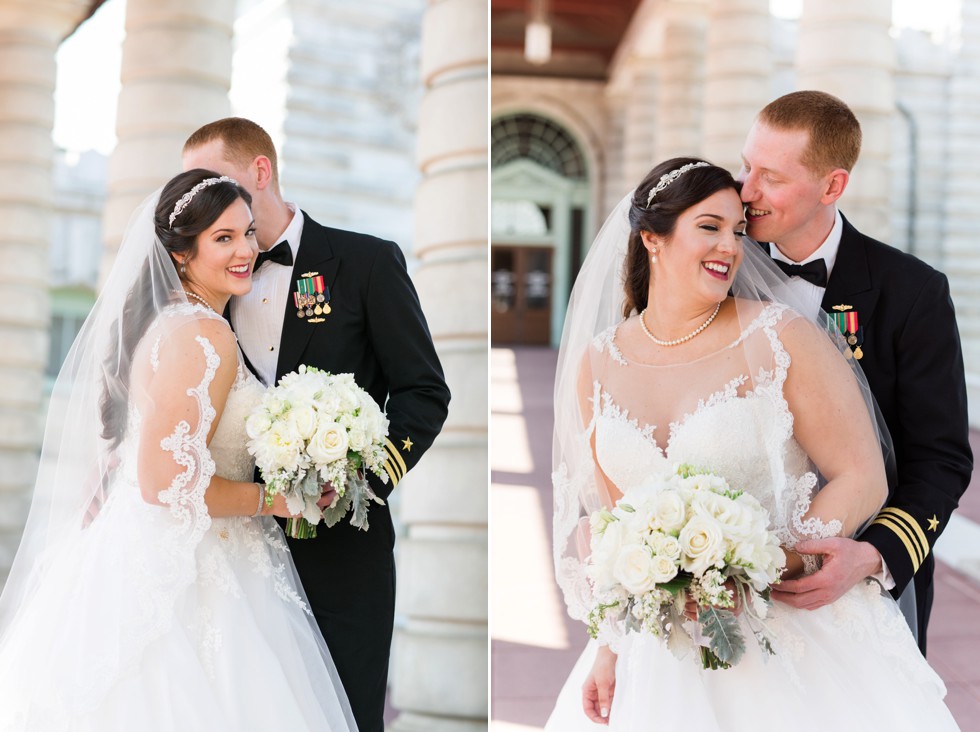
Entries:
{"x":157,"y":619}
{"x":849,"y":666}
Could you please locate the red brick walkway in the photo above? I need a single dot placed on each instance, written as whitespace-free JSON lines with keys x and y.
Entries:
{"x":534,"y":643}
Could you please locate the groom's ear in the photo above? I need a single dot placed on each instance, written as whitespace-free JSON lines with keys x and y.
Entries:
{"x":835,"y":183}
{"x":263,"y":172}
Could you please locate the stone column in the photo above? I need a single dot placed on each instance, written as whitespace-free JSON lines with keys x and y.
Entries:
{"x":639,"y":129}
{"x":30,"y":33}
{"x":961,"y":257}
{"x":680,"y":94}
{"x":613,"y":181}
{"x":351,"y":111}
{"x":738,"y":76}
{"x":845,"y":49}
{"x":176,"y":72}
{"x":440,"y":657}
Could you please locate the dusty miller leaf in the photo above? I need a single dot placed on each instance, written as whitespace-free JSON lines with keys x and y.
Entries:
{"x":721,"y":627}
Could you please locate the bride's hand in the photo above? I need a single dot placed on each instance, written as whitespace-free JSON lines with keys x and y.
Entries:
{"x":599,"y":686}
{"x":278,"y":508}
{"x":691,"y":607}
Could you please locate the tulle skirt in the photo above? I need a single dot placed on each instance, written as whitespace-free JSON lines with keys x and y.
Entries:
{"x":852,"y":666}
{"x":117,"y":634}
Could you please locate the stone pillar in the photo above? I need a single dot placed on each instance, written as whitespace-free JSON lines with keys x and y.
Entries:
{"x":176,"y":72}
{"x":351,"y":112}
{"x":845,"y":49}
{"x":681,"y":90}
{"x":961,"y":257}
{"x":439,"y":678}
{"x":738,"y":76}
{"x":30,"y":33}
{"x":639,"y":129}
{"x":614,"y":182}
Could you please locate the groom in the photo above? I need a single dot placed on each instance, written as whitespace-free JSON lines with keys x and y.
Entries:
{"x":373,"y":328}
{"x":899,"y":321}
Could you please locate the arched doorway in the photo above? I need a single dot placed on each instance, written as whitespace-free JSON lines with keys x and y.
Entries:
{"x":539,"y":200}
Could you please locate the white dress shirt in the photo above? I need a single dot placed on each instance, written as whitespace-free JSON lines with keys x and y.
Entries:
{"x":814,"y":296}
{"x":257,"y":317}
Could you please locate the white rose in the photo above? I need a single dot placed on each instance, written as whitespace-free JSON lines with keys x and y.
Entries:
{"x":257,"y":424}
{"x":670,"y":511}
{"x":666,"y":546}
{"x":634,"y":569}
{"x":663,"y":569}
{"x":358,"y":439}
{"x":702,"y":544}
{"x":304,"y":421}
{"x":737,"y":522}
{"x":328,"y":444}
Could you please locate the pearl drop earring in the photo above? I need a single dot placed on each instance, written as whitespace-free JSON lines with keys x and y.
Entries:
{"x":653,"y":257}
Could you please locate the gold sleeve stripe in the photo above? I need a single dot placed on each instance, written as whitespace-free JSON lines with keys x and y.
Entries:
{"x":391,"y":473}
{"x":913,"y":524}
{"x":396,"y":456}
{"x":902,"y":533}
{"x":394,"y":468}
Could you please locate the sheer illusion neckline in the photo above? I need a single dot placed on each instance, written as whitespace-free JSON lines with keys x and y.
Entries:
{"x":768,"y":311}
{"x":607,"y":408}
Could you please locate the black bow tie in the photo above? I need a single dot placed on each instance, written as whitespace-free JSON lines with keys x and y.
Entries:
{"x":280,"y":254}
{"x":814,"y":272}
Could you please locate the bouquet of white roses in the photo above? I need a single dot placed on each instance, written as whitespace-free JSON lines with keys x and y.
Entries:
{"x":684,"y":534}
{"x":315,"y":428}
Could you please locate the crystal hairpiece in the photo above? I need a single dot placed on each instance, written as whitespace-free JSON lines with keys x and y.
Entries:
{"x":189,"y":196}
{"x":667,"y":178}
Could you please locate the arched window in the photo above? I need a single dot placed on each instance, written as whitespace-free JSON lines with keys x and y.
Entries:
{"x":538,"y":139}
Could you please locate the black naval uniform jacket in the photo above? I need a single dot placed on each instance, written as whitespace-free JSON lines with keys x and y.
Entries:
{"x":376,"y":330}
{"x":910,"y":353}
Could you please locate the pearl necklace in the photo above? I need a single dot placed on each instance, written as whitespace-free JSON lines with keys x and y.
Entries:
{"x":676,"y":341}
{"x":206,"y":304}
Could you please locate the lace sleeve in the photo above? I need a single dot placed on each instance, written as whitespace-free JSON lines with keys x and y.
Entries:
{"x":186,"y":391}
{"x":835,"y":431}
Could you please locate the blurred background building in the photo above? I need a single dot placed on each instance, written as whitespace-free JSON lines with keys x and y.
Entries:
{"x":379,"y":110}
{"x":588,"y":96}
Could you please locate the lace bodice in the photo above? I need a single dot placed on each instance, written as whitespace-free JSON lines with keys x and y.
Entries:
{"x":743,"y":430}
{"x":727,"y":434}
{"x":227,"y":446}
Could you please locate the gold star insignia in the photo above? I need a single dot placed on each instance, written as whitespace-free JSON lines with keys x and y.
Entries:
{"x":407,"y":444}
{"x":933,"y":523}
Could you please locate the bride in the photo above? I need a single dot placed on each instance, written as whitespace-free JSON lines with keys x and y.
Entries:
{"x":680,"y":346}
{"x":153,"y":589}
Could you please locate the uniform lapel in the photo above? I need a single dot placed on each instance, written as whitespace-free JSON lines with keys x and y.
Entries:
{"x":850,"y":280}
{"x":315,"y":255}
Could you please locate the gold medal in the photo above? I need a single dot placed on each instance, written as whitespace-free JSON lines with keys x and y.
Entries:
{"x":326,"y":309}
{"x":858,"y":353}
{"x":318,"y":310}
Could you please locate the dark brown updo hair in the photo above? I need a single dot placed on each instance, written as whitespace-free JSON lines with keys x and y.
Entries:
{"x":198,"y":216}
{"x":660,"y":217}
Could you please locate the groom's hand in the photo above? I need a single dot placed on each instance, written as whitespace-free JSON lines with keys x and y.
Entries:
{"x":328,"y":497}
{"x":845,"y":563}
